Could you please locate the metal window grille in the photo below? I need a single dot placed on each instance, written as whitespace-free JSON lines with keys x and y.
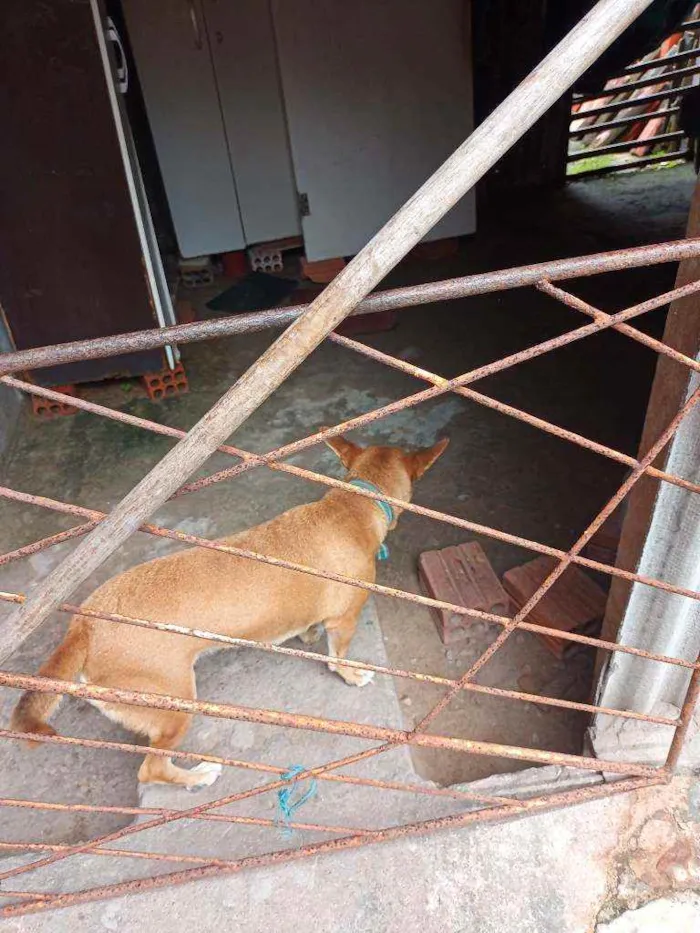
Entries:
{"x":470,"y":807}
{"x":612,"y":122}
{"x":104,"y":532}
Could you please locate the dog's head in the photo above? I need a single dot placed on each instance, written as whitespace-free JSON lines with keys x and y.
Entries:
{"x":391,"y":469}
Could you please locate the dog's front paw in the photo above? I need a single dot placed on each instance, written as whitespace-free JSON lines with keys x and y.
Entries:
{"x":353,"y":675}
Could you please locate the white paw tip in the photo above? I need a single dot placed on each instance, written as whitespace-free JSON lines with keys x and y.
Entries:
{"x":207,"y":773}
{"x":366,"y":677}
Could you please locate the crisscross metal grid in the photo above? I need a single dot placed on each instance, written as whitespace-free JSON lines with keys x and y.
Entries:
{"x":470,"y":807}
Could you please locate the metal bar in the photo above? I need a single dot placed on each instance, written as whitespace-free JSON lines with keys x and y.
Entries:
{"x":129,"y":853}
{"x":29,"y":895}
{"x":271,"y":717}
{"x":132,"y":829}
{"x":372,"y":353}
{"x":119,"y":853}
{"x":531,"y":805}
{"x":458,"y":174}
{"x":670,"y":94}
{"x":17,"y":803}
{"x":390,"y":300}
{"x":44,"y":543}
{"x":556,"y":573}
{"x":657,"y":62}
{"x":184,"y":538}
{"x":686,"y":719}
{"x":374,"y":587}
{"x":300,"y":472}
{"x":374,"y":783}
{"x":578,"y":304}
{"x":18,"y":598}
{"x":616,"y":124}
{"x":473,"y":375}
{"x":446,"y":682}
{"x":486,"y":400}
{"x":624,"y":146}
{"x":674,"y":156}
{"x":665,"y":77}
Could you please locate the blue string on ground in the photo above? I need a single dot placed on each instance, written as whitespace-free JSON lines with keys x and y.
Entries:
{"x":288,"y":805}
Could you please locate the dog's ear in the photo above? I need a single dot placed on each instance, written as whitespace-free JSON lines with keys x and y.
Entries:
{"x":344,"y":449}
{"x":422,"y":460}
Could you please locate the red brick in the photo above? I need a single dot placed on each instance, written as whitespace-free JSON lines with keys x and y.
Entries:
{"x":46,"y":408}
{"x":323,"y":271}
{"x":573,"y":603}
{"x":166,"y":383}
{"x":464,"y":576}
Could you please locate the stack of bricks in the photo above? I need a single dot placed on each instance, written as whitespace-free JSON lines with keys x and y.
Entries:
{"x":463,"y":576}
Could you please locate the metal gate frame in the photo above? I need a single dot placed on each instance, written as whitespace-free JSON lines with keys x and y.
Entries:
{"x":103,"y":533}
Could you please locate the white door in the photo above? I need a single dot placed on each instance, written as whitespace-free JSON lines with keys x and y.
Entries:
{"x":245,"y":61}
{"x":171,"y":47}
{"x":378,"y":93}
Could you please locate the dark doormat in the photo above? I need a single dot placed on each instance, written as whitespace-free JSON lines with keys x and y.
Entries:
{"x":258,"y":291}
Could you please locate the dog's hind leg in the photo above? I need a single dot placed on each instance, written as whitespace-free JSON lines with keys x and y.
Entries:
{"x":340,"y":631}
{"x":164,"y":728}
{"x":167,"y":732}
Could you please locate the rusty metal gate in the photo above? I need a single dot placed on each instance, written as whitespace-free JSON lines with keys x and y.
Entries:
{"x":102,"y":533}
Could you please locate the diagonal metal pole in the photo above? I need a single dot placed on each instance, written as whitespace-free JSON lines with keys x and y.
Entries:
{"x":457,"y":175}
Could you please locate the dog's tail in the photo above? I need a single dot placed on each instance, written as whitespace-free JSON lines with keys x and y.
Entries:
{"x":33,"y":709}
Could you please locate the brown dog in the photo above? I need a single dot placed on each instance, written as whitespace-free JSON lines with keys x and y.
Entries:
{"x":218,"y":592}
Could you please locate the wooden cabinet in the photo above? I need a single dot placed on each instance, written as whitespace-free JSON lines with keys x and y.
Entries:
{"x":73,"y":263}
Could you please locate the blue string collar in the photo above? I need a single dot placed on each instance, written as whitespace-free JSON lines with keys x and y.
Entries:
{"x":384,"y":507}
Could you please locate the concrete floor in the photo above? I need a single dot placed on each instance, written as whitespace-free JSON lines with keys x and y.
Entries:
{"x":497,"y":471}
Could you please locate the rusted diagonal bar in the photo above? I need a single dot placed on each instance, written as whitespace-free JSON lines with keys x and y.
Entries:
{"x":531,"y":805}
{"x":133,"y":828}
{"x":135,"y":853}
{"x":446,"y":682}
{"x":686,"y":719}
{"x":517,"y":413}
{"x":43,"y":805}
{"x":271,"y":717}
{"x":578,"y":304}
{"x":303,"y":473}
{"x":481,"y":372}
{"x":390,"y":300}
{"x":184,"y":538}
{"x":556,"y":573}
{"x":26,"y":550}
{"x":34,"y":896}
{"x":196,"y":757}
{"x":404,"y":230}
